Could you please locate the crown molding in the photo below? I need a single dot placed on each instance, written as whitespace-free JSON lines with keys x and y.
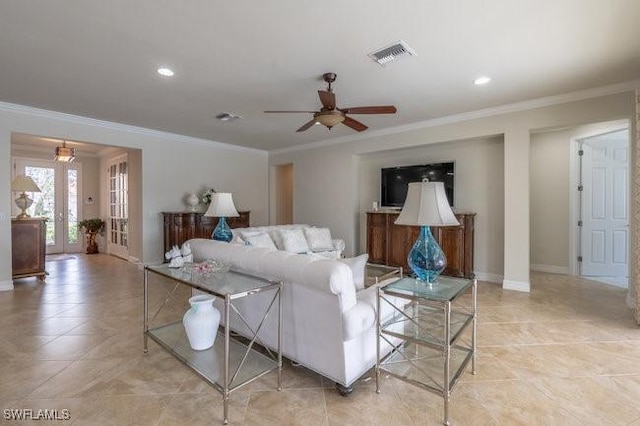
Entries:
{"x":473,"y":115}
{"x":109,"y":125}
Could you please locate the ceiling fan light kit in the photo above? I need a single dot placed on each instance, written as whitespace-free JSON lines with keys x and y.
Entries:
{"x":330,"y":115}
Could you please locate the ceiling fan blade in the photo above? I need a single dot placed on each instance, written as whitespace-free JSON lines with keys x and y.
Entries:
{"x":383,"y":109}
{"x":354,"y":124}
{"x":328,"y":99}
{"x":270,"y":112}
{"x":307,"y":125}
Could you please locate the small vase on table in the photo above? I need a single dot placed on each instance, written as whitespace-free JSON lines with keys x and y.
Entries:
{"x":201,"y":322}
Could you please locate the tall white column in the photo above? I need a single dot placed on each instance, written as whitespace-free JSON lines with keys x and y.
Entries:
{"x":6,"y":282}
{"x":516,"y":214}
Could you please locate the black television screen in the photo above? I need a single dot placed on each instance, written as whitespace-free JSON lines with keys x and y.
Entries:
{"x":395,"y":181}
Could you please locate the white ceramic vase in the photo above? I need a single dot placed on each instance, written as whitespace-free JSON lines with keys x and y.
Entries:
{"x":201,"y":322}
{"x":192,"y":201}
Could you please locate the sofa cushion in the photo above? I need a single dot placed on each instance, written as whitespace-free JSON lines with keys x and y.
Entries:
{"x":357,"y":265}
{"x":262,"y":239}
{"x":319,"y":239}
{"x":293,"y":240}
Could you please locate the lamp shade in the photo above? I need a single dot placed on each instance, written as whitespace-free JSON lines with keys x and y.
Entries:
{"x":222,"y":205}
{"x":24,"y":183}
{"x":426,"y":205}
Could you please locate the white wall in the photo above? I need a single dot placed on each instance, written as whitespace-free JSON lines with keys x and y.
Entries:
{"x":172,"y":165}
{"x":479,"y":188}
{"x":326,"y":189}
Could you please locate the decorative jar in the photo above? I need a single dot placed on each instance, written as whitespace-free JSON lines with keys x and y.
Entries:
{"x":201,"y":322}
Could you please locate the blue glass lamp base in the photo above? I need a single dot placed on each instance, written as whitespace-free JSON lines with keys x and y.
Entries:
{"x":222,"y":231}
{"x":426,"y":259}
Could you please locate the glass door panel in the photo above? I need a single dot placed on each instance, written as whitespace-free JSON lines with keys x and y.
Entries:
{"x":118,"y":242}
{"x":58,"y":201}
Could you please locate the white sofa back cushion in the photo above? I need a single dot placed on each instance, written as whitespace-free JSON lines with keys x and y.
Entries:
{"x":325,"y":274}
{"x":319,"y":239}
{"x":293,"y":240}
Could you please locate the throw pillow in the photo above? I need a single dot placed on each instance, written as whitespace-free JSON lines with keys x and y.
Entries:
{"x":260,"y":240}
{"x":293,"y":240}
{"x":357,"y":265}
{"x":319,"y":239}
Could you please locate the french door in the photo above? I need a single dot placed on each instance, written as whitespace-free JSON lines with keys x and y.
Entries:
{"x":58,"y":201}
{"x":118,"y":227}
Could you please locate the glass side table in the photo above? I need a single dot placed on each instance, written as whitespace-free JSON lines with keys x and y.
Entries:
{"x":437,"y":341}
{"x":375,"y":273}
{"x":229,"y":364}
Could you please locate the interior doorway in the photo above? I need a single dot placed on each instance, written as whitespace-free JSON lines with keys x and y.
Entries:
{"x":603,"y":193}
{"x":282,"y":207}
{"x":59,"y":201}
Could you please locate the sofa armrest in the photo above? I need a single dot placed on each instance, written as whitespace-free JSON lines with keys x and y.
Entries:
{"x":360,"y":318}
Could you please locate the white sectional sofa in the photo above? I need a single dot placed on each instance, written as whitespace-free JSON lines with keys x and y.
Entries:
{"x":329,"y":326}
{"x":318,"y":240}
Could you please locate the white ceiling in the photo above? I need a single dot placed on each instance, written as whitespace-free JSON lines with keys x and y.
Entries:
{"x":99,"y":58}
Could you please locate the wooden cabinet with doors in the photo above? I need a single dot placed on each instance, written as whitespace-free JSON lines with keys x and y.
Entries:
{"x":182,"y":226}
{"x":389,"y":244}
{"x":28,"y":247}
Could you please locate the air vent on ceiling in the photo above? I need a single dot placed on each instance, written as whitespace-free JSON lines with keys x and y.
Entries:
{"x":391,"y":53}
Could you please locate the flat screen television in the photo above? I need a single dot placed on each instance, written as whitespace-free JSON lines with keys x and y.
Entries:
{"x":395,"y":181}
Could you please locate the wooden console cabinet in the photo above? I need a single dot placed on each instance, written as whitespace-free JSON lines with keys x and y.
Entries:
{"x":28,"y":247}
{"x":389,"y":244}
{"x":182,"y":226}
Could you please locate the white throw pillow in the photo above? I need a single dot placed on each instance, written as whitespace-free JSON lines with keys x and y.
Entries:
{"x":293,"y":240}
{"x":319,"y":239}
{"x":357,"y":265}
{"x":260,"y":240}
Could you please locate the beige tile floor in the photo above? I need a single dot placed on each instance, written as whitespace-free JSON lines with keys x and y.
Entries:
{"x":568,"y":353}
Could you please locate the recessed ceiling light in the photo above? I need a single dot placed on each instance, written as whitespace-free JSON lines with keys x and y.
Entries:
{"x":166,"y":72}
{"x":481,"y":80}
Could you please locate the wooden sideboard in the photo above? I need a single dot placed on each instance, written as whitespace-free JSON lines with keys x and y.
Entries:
{"x":28,"y":247}
{"x":389,"y":244}
{"x":182,"y":226}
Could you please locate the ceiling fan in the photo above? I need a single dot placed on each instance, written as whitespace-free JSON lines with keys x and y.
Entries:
{"x":329,"y":115}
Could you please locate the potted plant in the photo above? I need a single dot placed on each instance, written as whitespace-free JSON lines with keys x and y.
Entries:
{"x":92,"y":227}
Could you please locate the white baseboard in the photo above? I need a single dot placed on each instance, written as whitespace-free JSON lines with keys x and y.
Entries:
{"x":6,"y":285}
{"x":492,"y":278}
{"x":552,"y":269}
{"x":516,"y":285}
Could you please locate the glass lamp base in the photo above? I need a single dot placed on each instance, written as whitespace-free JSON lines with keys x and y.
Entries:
{"x":426,"y":259}
{"x":222,"y":231}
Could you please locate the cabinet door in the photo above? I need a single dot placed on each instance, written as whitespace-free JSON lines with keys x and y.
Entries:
{"x":28,"y":247}
{"x":178,"y":228}
{"x":451,"y":240}
{"x":377,"y":238}
{"x":401,"y":240}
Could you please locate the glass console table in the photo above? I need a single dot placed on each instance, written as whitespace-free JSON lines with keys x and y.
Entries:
{"x":437,"y":343}
{"x":229,"y":364}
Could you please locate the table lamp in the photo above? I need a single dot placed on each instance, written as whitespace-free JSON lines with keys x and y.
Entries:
{"x":426,"y":205}
{"x":222,"y":207}
{"x":24,"y":184}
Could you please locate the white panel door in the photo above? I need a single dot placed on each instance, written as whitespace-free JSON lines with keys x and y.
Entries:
{"x":605,"y":205}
